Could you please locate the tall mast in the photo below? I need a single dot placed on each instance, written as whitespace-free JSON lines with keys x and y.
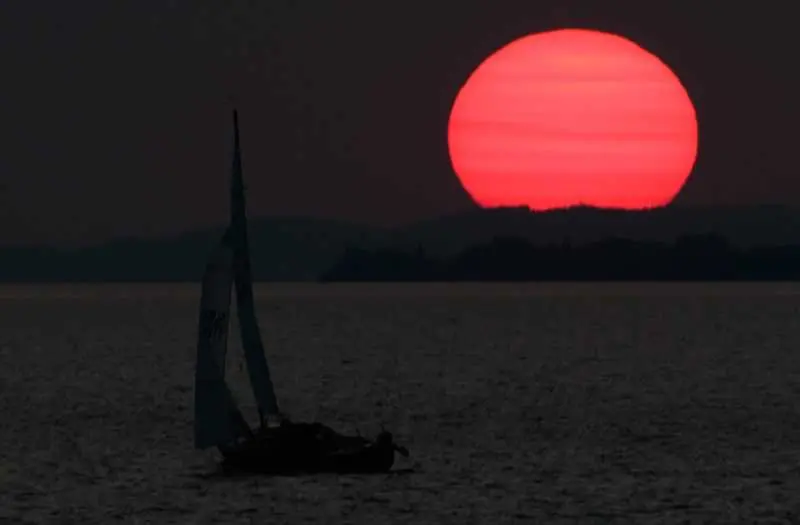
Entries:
{"x":257,"y":367}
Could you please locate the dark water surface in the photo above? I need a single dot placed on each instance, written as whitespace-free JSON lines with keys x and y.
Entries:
{"x":551,"y":403}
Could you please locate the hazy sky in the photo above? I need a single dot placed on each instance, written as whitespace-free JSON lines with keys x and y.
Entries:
{"x":114,"y":115}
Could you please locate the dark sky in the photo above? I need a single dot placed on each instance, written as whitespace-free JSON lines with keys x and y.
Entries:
{"x":115,"y":115}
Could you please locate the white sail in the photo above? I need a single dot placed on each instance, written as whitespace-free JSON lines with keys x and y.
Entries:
{"x":257,"y":367}
{"x":217,"y":419}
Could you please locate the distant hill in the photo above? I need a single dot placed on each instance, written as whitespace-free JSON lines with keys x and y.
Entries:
{"x":283,"y":249}
{"x":301,"y":249}
{"x":742,"y":226}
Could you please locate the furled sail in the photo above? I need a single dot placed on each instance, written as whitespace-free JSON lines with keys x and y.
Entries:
{"x":257,"y":366}
{"x":217,"y":420}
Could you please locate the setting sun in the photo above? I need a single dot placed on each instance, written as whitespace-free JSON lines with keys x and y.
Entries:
{"x":573,"y":117}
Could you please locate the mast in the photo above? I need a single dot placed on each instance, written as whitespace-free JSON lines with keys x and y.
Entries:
{"x":257,"y":367}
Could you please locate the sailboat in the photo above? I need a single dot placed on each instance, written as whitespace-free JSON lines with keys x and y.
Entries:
{"x":278,"y":445}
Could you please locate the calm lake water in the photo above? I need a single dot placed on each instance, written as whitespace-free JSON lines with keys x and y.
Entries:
{"x":520,"y":403}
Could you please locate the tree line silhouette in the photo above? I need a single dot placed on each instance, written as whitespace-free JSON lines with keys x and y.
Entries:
{"x":323,"y":258}
{"x":689,"y":258}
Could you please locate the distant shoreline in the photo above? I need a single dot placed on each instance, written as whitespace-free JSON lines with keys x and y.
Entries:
{"x":759,"y":244}
{"x":189,"y":292}
{"x":499,"y":282}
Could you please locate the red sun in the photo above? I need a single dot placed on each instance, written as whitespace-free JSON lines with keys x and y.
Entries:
{"x":573,"y":117}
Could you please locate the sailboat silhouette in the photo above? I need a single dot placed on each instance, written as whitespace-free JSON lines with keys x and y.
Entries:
{"x":279,"y":445}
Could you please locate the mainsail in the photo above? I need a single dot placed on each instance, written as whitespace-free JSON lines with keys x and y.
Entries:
{"x":257,"y":366}
{"x":217,"y":419}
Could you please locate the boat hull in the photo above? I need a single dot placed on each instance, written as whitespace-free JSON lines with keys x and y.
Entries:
{"x":309,"y":448}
